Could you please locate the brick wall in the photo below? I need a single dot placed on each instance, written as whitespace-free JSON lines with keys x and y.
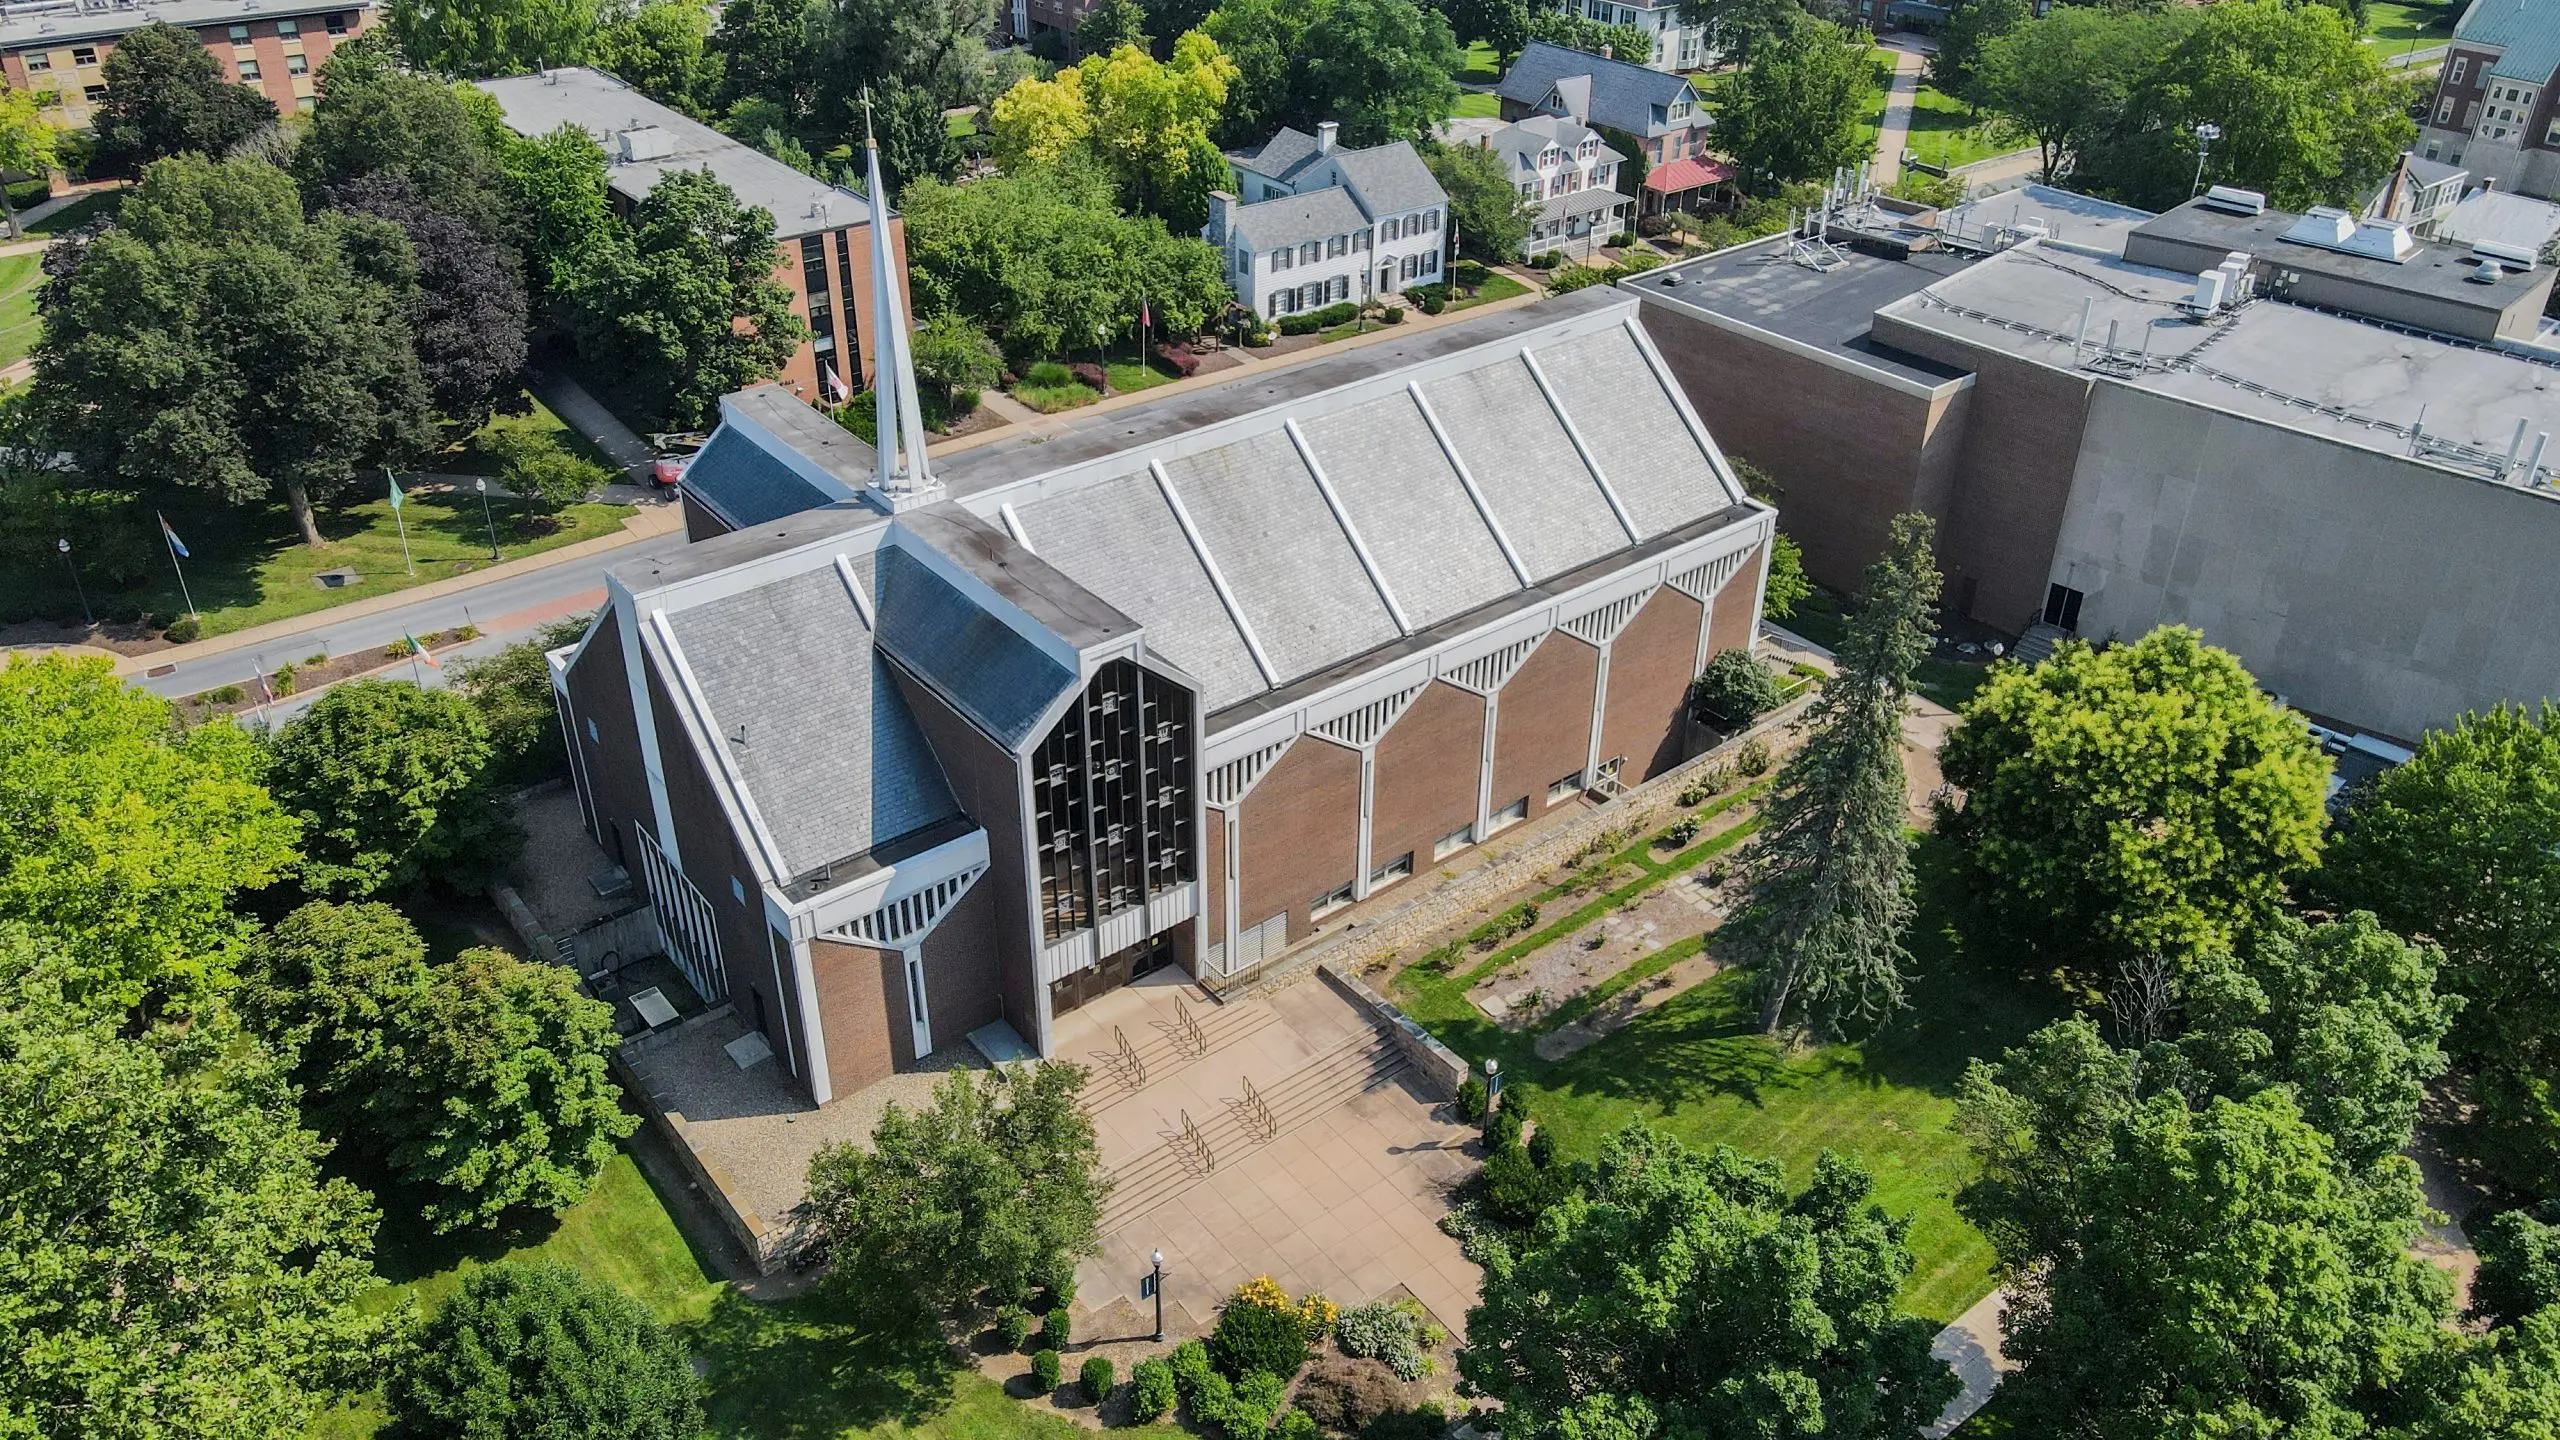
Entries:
{"x":1730,"y":627}
{"x":617,"y":785}
{"x":862,"y":1002}
{"x":1300,"y":836}
{"x":1650,"y":666}
{"x":1542,"y":731}
{"x":1426,"y":774}
{"x":989,"y":790}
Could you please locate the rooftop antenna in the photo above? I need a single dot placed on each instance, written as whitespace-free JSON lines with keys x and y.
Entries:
{"x":902,"y":479}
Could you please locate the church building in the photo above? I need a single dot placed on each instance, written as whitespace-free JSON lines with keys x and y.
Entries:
{"x":904,"y":754}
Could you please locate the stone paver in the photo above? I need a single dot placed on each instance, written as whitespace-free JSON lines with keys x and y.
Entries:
{"x":1347,"y":1201}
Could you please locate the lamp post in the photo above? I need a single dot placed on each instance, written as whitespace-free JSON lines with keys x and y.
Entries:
{"x":63,"y":547}
{"x":1492,"y":1084}
{"x":2206,"y":134}
{"x":1155,"y":1286}
{"x":485,"y":518}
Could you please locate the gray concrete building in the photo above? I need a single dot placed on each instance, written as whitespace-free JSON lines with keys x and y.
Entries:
{"x":2363,"y":510}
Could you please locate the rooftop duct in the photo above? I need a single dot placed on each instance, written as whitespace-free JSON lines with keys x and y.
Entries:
{"x":2235,"y":201}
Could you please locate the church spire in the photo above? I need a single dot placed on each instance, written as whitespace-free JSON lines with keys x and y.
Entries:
{"x":902,"y":478}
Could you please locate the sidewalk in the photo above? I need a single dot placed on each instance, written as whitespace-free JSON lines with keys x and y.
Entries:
{"x":585,"y":414}
{"x":1971,"y":1346}
{"x":1893,"y":131}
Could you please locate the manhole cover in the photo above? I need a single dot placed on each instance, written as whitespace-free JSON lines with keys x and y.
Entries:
{"x":337,"y":579}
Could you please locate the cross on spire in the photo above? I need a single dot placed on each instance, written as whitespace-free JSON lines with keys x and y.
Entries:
{"x":902,"y":478}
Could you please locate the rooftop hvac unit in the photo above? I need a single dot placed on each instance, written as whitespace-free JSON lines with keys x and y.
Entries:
{"x":2485,"y":271}
{"x":647,"y":142}
{"x":2514,"y":257}
{"x":2213,"y":291}
{"x":2232,"y":200}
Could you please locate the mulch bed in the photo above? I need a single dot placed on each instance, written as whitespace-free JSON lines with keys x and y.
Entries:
{"x":310,"y":677}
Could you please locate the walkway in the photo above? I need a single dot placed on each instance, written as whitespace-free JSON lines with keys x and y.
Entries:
{"x":1894,"y":130}
{"x":585,"y":414}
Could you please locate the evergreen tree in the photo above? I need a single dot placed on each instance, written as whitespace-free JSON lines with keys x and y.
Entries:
{"x":1829,"y":870}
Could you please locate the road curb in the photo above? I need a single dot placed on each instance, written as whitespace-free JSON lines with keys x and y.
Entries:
{"x":647,"y":525}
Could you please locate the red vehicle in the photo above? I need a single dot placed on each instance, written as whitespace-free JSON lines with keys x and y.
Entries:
{"x":675,"y":452}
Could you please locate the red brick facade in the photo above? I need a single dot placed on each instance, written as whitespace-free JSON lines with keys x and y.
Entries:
{"x":1300,"y":833}
{"x":285,"y":67}
{"x":1651,"y":663}
{"x":1542,"y":724}
{"x":1426,"y":771}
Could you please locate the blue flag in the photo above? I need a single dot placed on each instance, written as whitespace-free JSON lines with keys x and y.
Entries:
{"x":175,"y":543}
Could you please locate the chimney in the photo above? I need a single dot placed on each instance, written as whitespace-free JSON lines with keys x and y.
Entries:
{"x":1220,"y":203}
{"x":1326,"y":133}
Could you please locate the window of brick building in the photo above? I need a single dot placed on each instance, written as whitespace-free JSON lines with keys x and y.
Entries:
{"x":297,"y":64}
{"x":1508,"y":815}
{"x":249,"y":71}
{"x":239,"y":34}
{"x":288,"y":29}
{"x":38,"y":62}
{"x":337,"y":21}
{"x":85,"y":55}
{"x":1564,"y":788}
{"x":1454,"y":841}
{"x":1400,"y":868}
{"x":94,"y":94}
{"x":1330,"y":904}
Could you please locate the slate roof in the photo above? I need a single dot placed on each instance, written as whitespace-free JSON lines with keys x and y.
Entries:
{"x":1279,"y":157}
{"x":745,"y":484}
{"x":1293,"y":219}
{"x":986,"y":669}
{"x":804,"y":708}
{"x":2528,"y":35}
{"x":1616,"y":93}
{"x":1390,"y":179}
{"x":1521,"y":142}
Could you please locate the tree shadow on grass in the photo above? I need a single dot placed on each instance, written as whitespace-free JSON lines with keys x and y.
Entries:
{"x":819,"y":1365}
{"x":1965,"y":1004}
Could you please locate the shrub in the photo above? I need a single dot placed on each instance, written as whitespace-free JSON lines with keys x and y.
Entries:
{"x":281,"y":682}
{"x":1340,"y":312}
{"x":1569,"y":278}
{"x":1014,"y":1324}
{"x":1044,"y":1371}
{"x":223,"y":695}
{"x":1635,"y":264}
{"x":1470,"y":1101}
{"x":1054,"y":1330}
{"x":1258,"y":337}
{"x":1392,"y":315}
{"x":1620,"y":238}
{"x":1179,"y":360}
{"x":1395,"y":1333}
{"x":1502,"y":1128}
{"x":1048,"y":373}
{"x":1097,"y":1378}
{"x":547,"y":479}
{"x":1694,"y":795}
{"x":1547,"y":261}
{"x":1681,"y":833}
{"x":546,"y":1349}
{"x":1345,"y":1394}
{"x":1734,"y":690}
{"x":1753,"y":757}
{"x":1260,"y":1331}
{"x":1516,"y":1189}
{"x":1430,"y":299}
{"x":1426,"y":1421}
{"x":1091,"y":376}
{"x":183,"y":629}
{"x":1296,"y":1424}
{"x":1542,"y":1147}
{"x":1151,"y":1391}
{"x":1303,"y":323}
{"x":1189,"y":1363}
{"x":1240,"y":1410}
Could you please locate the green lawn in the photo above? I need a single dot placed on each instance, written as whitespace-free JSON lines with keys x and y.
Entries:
{"x":78,"y":212}
{"x":472,"y":457}
{"x":2399,"y":23}
{"x":961,"y":127}
{"x":1127,"y":375}
{"x":1698,"y":1068}
{"x":1497,"y":286}
{"x":247,"y":567}
{"x":1817,"y":618}
{"x":1478,"y":104}
{"x":20,"y":275}
{"x":1944,"y":132}
{"x":1478,"y":68}
{"x":802,"y":1369}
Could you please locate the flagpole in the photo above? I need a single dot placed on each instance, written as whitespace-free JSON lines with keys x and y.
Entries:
{"x":397,"y":520}
{"x":170,"y":538}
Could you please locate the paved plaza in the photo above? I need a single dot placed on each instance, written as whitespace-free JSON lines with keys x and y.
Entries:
{"x":1312,"y":1154}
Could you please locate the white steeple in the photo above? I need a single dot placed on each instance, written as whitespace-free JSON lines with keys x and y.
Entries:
{"x":903,"y":479}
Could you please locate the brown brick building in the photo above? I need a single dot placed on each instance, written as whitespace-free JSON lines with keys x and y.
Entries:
{"x":1175,"y":686}
{"x":59,"y":49}
{"x":827,"y":256}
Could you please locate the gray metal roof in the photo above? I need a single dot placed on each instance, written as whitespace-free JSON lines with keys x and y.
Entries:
{"x":604,"y":106}
{"x":987,"y":670}
{"x":745,"y":484}
{"x":1295,"y":219}
{"x":1626,"y":415}
{"x":28,"y":28}
{"x":2501,"y":216}
{"x":2528,"y":35}
{"x":1580,"y":203}
{"x":805,"y":710}
{"x":1390,"y":179}
{"x":1615,"y":93}
{"x":1419,"y":525}
{"x":1542,"y":494}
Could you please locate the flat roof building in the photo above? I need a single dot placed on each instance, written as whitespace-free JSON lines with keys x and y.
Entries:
{"x":2362,"y":510}
{"x":59,"y":47}
{"x":823,"y":228}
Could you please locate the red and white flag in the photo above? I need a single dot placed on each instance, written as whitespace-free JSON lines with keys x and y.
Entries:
{"x":827,"y":373}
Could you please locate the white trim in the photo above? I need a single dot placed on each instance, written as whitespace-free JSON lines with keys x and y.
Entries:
{"x":1350,"y":531}
{"x":790,"y":1037}
{"x":742,"y":804}
{"x":1581,"y":447}
{"x":853,"y":587}
{"x":644,"y":718}
{"x":919,"y":1013}
{"x":1467,"y":480}
{"x":1013,"y":527}
{"x":687,"y":924}
{"x":813,"y":1026}
{"x":1225,"y":784}
{"x":1217,"y":577}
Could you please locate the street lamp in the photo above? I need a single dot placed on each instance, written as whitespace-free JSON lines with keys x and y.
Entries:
{"x":1492,"y":1083}
{"x":482,"y":485}
{"x":1155,"y":1287}
{"x":63,"y":546}
{"x":2206,"y":134}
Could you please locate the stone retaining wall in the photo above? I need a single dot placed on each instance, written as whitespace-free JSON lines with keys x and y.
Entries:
{"x":1440,"y":1066}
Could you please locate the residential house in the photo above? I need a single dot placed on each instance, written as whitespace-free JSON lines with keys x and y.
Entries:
{"x":1675,"y":46}
{"x":2438,"y":202}
{"x":823,"y":229}
{"x":1572,"y":177}
{"x":1660,"y":114}
{"x":1311,"y":223}
{"x":57,"y":47}
{"x":2493,"y":110}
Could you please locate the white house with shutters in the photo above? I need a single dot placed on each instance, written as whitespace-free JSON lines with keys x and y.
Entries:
{"x":1311,"y":224}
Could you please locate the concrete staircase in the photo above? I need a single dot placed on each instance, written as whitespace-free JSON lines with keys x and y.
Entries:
{"x":1361,"y":1063}
{"x":2036,"y":646}
{"x":1162,"y":1051}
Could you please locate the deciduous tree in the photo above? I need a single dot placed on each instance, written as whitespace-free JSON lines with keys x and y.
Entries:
{"x":663,"y":48}
{"x":160,"y":362}
{"x":512,"y":691}
{"x":474,"y":39}
{"x":543,"y":1350}
{"x":1974,"y":24}
{"x":391,"y":784}
{"x":1379,"y":68}
{"x":2462,"y":845}
{"x":683,"y":302}
{"x":1740,"y":26}
{"x":1111,"y":24}
{"x":1688,"y":1293}
{"x":325,"y":987}
{"x":127,"y":839}
{"x":29,"y":141}
{"x":469,"y":315}
{"x":1146,"y":121}
{"x":2065,"y":79}
{"x":177,"y":1265}
{"x":1829,"y":872}
{"x":995,"y":1186}
{"x":770,"y":50}
{"x":556,"y":183}
{"x":2142,"y":800}
{"x":167,"y":95}
{"x":1485,"y":208}
{"x":419,"y":129}
{"x":1794,"y":113}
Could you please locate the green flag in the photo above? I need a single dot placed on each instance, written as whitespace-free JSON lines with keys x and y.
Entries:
{"x":396,"y":496}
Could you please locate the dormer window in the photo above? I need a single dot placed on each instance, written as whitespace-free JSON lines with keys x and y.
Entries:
{"x":1550,"y":158}
{"x":1590,"y":146}
{"x":1679,"y":109}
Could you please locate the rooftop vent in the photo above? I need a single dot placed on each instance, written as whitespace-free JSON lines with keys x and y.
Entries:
{"x":645,"y":142}
{"x":2514,"y":257}
{"x":2333,"y":229}
{"x":2232,"y":200}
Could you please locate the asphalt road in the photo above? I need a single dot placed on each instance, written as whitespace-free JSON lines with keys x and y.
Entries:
{"x":505,"y":610}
